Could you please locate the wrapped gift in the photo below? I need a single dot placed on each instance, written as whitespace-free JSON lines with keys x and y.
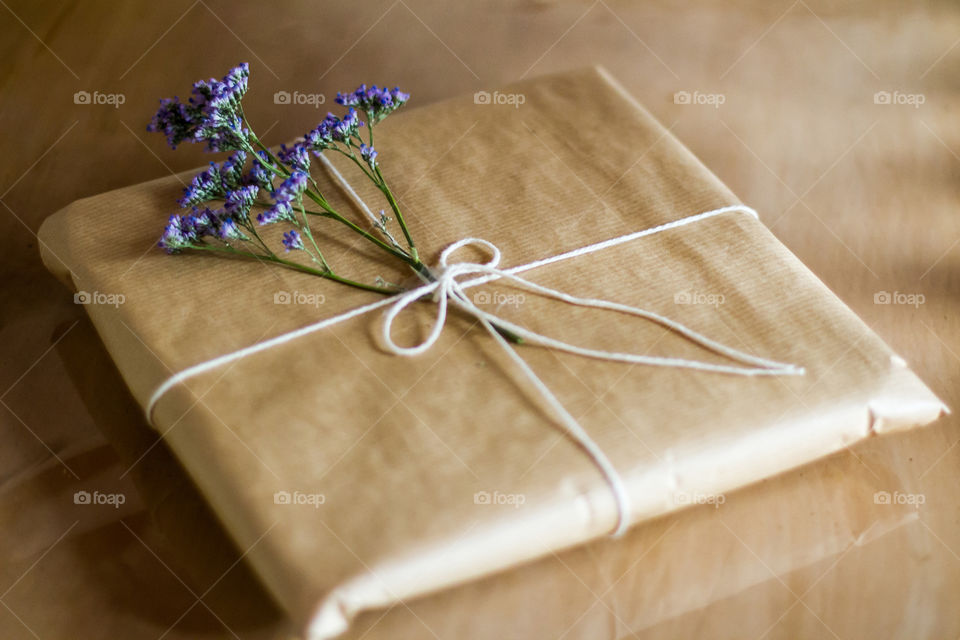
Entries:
{"x":355,"y":478}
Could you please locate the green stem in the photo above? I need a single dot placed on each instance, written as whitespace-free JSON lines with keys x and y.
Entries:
{"x":396,"y":210}
{"x":299,"y":267}
{"x":306,"y":229}
{"x":252,"y":228}
{"x":357,"y":162}
{"x":318,"y":198}
{"x":276,"y":161}
{"x":283,"y":171}
{"x":333,"y":215}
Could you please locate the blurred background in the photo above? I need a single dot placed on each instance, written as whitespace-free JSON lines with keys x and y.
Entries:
{"x":837,"y":121}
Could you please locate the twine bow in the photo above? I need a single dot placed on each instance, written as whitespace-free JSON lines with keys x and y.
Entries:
{"x":449,"y":290}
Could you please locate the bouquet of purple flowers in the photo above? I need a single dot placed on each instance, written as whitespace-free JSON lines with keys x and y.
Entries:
{"x":255,"y":187}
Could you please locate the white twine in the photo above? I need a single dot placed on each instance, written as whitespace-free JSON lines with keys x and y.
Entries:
{"x":347,"y":187}
{"x":449,"y":290}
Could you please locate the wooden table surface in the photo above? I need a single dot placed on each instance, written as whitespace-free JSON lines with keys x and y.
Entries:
{"x":863,"y":191}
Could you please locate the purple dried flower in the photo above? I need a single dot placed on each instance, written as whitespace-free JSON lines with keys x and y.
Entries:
{"x":184,"y":232}
{"x":333,"y":129}
{"x":237,"y":78}
{"x":351,"y":99}
{"x":259,"y":174}
{"x":318,"y":139}
{"x":231,"y":171}
{"x":211,"y":114}
{"x":206,"y":185}
{"x":369,"y":154}
{"x":343,"y":129}
{"x":290,"y":191}
{"x":292,"y":188}
{"x":204,"y":222}
{"x":239,"y":201}
{"x":215,"y":182}
{"x":281,"y":210}
{"x":173,"y":120}
{"x":296,"y":157}
{"x":376,"y":102}
{"x":179,"y":234}
{"x":292,"y":241}
{"x":221,"y":182}
{"x":399,"y":97}
{"x":229,"y":230}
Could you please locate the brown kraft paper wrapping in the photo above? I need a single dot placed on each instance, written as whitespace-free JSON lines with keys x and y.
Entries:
{"x":399,"y":453}
{"x":657,"y":581}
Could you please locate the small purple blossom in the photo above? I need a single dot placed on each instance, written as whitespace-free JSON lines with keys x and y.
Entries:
{"x":206,"y":185}
{"x":179,"y":234}
{"x":231,"y":172}
{"x":216,"y":181}
{"x":343,"y":129}
{"x":184,"y":232}
{"x":292,"y":188}
{"x":211,"y":114}
{"x":318,"y":139}
{"x":229,"y":230}
{"x":296,"y":157}
{"x":238,"y":202}
{"x":292,"y":240}
{"x":332,"y":130}
{"x":204,"y":221}
{"x":282,"y":210}
{"x":289,"y":192}
{"x":223,"y":182}
{"x":376,"y":102}
{"x":259,"y":174}
{"x":369,"y":154}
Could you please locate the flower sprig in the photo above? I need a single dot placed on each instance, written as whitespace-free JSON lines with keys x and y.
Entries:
{"x":232,"y":201}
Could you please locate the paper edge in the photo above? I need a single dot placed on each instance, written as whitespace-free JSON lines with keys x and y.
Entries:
{"x":682,"y":473}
